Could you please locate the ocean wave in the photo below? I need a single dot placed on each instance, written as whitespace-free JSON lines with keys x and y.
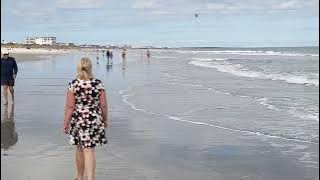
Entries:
{"x":256,"y":133}
{"x":247,"y":52}
{"x":239,"y":70}
{"x":184,"y":84}
{"x":264,"y":101}
{"x":293,"y":110}
{"x":305,"y":114}
{"x":302,"y":115}
{"x":125,"y":98}
{"x":173,"y":76}
{"x":202,"y":59}
{"x":209,"y":59}
{"x":164,"y":57}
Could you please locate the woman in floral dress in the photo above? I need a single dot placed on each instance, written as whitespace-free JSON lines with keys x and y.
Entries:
{"x":86,"y":117}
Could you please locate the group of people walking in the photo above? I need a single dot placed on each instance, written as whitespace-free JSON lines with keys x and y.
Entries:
{"x":109,"y":54}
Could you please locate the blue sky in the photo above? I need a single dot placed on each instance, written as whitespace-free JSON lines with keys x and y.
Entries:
{"x":240,"y":23}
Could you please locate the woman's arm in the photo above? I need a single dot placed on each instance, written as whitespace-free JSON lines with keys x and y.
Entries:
{"x":104,"y":107}
{"x":70,"y":104}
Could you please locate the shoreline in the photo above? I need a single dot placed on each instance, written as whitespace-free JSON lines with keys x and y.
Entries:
{"x":40,"y":51}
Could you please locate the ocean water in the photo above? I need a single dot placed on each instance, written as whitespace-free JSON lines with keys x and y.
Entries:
{"x":270,"y":93}
{"x":201,"y":113}
{"x":283,"y":80}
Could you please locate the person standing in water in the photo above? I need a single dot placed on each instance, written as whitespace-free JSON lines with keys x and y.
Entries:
{"x":86,"y":117}
{"x":9,"y":70}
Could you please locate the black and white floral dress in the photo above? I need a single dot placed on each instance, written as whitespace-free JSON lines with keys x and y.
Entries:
{"x":86,"y":125}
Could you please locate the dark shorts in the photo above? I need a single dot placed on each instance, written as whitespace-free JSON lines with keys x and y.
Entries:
{"x":7,"y":82}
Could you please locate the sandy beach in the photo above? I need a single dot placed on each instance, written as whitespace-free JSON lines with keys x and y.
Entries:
{"x":169,"y":119}
{"x":39,"y":51}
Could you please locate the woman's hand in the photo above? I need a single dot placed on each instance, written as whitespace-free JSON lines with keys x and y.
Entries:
{"x":105,"y":124}
{"x":65,"y":127}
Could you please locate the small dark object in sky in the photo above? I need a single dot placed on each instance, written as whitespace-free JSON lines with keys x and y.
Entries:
{"x":196,"y":14}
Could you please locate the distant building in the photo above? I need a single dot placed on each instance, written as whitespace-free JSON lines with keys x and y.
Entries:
{"x":41,"y":40}
{"x":61,"y":44}
{"x":89,"y":46}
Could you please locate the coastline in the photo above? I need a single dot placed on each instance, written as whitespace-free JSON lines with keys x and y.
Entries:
{"x":40,"y":50}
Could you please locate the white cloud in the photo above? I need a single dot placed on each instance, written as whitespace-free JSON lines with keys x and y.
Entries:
{"x":146,"y":4}
{"x":80,"y":4}
{"x":234,"y":6}
{"x":288,"y":5}
{"x":224,"y":6}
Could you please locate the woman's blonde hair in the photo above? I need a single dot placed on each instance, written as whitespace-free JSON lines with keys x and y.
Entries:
{"x":85,"y":69}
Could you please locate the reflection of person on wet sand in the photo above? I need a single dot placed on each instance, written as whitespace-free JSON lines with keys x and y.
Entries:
{"x":123,"y":67}
{"x":109,"y":64}
{"x":9,"y":136}
{"x":97,"y":59}
{"x":124,"y":64}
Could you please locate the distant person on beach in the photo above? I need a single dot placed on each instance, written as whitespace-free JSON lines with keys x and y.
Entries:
{"x":9,"y":70}
{"x":111,"y":55}
{"x":86,"y":117}
{"x":148,"y":54}
{"x":124,"y":53}
{"x":108,"y":54}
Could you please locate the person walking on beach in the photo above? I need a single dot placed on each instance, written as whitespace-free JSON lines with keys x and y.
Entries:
{"x":111,"y":55}
{"x":148,"y":54}
{"x":108,"y":54}
{"x":9,"y":70}
{"x":86,"y":117}
{"x":123,"y":53}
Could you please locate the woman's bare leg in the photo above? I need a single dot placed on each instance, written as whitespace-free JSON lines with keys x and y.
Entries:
{"x":90,"y":162}
{"x":80,"y":163}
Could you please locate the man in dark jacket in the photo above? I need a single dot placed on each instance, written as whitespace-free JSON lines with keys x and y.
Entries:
{"x":9,"y":70}
{"x":108,"y":54}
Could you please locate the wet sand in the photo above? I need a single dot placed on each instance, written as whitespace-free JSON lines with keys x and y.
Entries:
{"x":143,"y":144}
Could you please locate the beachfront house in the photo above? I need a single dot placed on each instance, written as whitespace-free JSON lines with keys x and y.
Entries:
{"x":41,"y":40}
